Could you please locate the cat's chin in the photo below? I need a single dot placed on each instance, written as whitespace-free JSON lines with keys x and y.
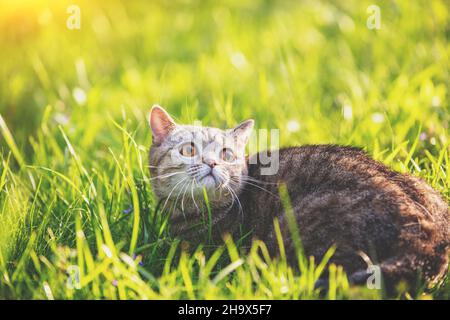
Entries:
{"x":209,"y":182}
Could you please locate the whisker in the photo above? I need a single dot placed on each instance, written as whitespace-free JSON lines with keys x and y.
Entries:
{"x":194,"y":171}
{"x":255,"y":185}
{"x":224,"y":176}
{"x":146,"y":179}
{"x":164,"y":176}
{"x":192,"y":193}
{"x":165,"y":167}
{"x":168,"y":197}
{"x":182,"y":198}
{"x":232,"y":197}
{"x":178,"y":195}
{"x":241,"y":210}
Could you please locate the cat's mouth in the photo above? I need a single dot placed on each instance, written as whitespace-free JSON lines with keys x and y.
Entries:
{"x":209,"y":180}
{"x":206,"y":177}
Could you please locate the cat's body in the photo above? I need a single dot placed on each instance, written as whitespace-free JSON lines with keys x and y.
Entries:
{"x":342,"y":197}
{"x":339,"y":196}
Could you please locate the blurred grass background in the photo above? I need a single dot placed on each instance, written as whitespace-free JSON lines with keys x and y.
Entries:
{"x":73,"y":106}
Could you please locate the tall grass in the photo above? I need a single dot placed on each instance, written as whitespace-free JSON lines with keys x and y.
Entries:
{"x":75,"y":198}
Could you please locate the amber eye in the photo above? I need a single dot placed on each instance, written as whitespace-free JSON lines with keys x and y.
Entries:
{"x":188,"y":150}
{"x":227,"y":155}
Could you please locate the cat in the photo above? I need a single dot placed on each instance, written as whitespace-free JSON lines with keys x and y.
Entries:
{"x":339,"y":195}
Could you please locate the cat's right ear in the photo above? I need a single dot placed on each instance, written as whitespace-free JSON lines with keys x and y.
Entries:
{"x":161,"y":123}
{"x":243,"y":130}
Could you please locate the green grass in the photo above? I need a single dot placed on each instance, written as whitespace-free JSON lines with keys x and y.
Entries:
{"x":74,"y":187}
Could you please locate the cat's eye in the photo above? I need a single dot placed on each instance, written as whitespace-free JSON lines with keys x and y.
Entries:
{"x":227,"y":155}
{"x":188,"y":150}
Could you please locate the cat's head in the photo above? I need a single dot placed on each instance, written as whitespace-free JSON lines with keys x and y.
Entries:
{"x":186,"y":159}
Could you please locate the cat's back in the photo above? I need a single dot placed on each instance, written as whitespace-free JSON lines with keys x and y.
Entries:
{"x":348,"y":173}
{"x":314,"y":167}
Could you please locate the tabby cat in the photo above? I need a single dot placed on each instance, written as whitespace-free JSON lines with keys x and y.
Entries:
{"x":339,"y":195}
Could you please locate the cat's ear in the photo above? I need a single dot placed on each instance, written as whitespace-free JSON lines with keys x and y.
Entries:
{"x":243,"y":131}
{"x":161,"y":123}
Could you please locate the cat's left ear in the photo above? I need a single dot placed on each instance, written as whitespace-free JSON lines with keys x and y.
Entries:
{"x":161,"y":123}
{"x":243,"y":131}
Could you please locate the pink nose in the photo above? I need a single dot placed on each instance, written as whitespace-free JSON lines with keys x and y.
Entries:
{"x":210,"y":163}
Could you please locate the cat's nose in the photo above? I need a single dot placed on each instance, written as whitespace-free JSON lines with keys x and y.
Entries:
{"x":210,"y":163}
